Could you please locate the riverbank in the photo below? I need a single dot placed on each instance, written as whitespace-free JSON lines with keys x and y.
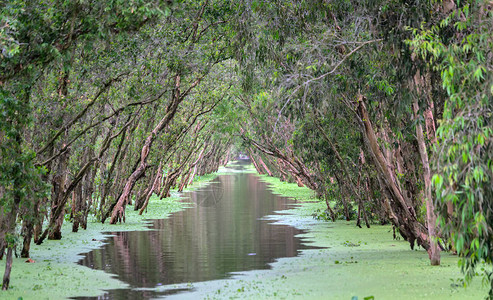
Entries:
{"x":55,"y":273}
{"x":356,"y":262}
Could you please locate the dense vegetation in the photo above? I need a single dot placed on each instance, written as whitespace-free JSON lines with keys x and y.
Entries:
{"x":384,"y":108}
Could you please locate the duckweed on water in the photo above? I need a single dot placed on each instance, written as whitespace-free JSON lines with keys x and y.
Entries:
{"x":355,"y":263}
{"x":55,"y":274}
{"x":370,"y":264}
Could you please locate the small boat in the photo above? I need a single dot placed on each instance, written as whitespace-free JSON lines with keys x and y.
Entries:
{"x":243,"y":157}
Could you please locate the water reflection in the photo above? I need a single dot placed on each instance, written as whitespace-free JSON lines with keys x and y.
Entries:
{"x":221,"y":234}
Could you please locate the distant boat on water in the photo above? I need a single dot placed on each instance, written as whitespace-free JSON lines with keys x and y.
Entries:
{"x":243,"y":157}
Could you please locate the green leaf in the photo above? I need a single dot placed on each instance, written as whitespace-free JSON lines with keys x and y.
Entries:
{"x":464,"y":157}
{"x":478,"y":74}
{"x":437,"y":180}
{"x":167,"y":11}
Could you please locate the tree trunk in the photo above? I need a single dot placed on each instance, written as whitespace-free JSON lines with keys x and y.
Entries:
{"x":192,"y":177}
{"x":118,"y":213}
{"x":28,"y":228}
{"x":358,"y":217}
{"x":108,"y":182}
{"x":87,"y":184}
{"x":264,"y":166}
{"x":76,"y":207}
{"x":189,"y":178}
{"x":343,"y":197}
{"x":145,"y":188}
{"x":226,"y":159}
{"x":184,"y":180}
{"x":153,"y":187}
{"x":406,"y":221}
{"x":291,"y":163}
{"x":284,"y":175}
{"x":433,"y":250}
{"x":254,"y":161}
{"x":369,"y":201}
{"x":38,"y":230}
{"x":11,"y":223}
{"x":87,"y":196}
{"x":329,"y":209}
{"x":169,"y":182}
{"x":58,"y":193}
{"x":8,"y":269}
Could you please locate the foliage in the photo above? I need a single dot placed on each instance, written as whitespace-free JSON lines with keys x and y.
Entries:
{"x":20,"y":180}
{"x":109,"y":98}
{"x":464,"y":178}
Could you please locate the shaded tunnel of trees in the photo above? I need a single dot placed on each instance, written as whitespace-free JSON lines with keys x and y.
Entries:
{"x":383,"y":108}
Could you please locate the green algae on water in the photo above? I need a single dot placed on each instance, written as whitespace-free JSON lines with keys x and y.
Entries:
{"x":55,"y":274}
{"x":355,"y":263}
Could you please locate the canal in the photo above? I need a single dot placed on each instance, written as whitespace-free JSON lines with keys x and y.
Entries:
{"x":223,"y":231}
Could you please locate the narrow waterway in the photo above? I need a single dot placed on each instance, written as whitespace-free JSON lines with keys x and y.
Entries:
{"x":222,"y":232}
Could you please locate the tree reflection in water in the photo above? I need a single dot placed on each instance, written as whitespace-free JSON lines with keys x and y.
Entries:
{"x":222,"y":233}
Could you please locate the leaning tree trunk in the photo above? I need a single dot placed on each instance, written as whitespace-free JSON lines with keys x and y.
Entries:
{"x":146,"y":187}
{"x":191,"y":174}
{"x":404,"y":217}
{"x":267,"y":170}
{"x":283,"y":175}
{"x":184,"y":180}
{"x":118,"y":158}
{"x":254,"y":161}
{"x":168,"y":183}
{"x":153,"y":188}
{"x":118,"y":213}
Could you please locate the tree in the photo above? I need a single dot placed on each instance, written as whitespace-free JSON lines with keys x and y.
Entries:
{"x":458,"y":45}
{"x":20,"y":180}
{"x":31,"y":41}
{"x":317,"y":60}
